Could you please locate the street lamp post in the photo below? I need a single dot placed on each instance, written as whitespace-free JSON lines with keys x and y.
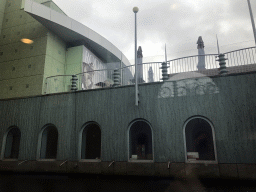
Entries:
{"x":253,"y":24}
{"x":135,"y":10}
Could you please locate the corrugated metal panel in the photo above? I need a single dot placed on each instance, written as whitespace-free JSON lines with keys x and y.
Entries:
{"x":231,"y":111}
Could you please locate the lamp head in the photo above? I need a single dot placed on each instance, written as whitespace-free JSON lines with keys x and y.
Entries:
{"x":135,"y":9}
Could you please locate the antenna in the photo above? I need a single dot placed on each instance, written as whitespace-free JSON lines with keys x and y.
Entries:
{"x":218,"y":45}
{"x":165,"y":54}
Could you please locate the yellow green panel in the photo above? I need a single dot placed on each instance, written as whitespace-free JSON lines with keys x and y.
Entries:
{"x":21,"y":87}
{"x":53,"y":67}
{"x":56,"y":48}
{"x":2,"y":7}
{"x":12,"y":5}
{"x":74,"y":60}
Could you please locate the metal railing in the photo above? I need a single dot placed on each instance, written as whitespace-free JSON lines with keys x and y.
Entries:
{"x":148,"y":72}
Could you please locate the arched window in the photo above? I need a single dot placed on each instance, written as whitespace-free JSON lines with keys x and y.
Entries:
{"x":49,"y":143}
{"x":140,"y":141}
{"x":91,"y":142}
{"x":199,"y":140}
{"x":12,"y":144}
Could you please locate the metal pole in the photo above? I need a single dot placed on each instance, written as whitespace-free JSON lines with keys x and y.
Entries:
{"x":135,"y":10}
{"x":121,"y":68}
{"x":218,"y":45}
{"x":253,"y":24}
{"x":165,"y":54}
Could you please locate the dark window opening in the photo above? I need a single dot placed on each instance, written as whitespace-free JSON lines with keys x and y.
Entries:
{"x":91,"y":142}
{"x":49,"y":143}
{"x":10,"y":87}
{"x":12,"y":144}
{"x":199,"y":140}
{"x":13,"y":68}
{"x":140,"y":141}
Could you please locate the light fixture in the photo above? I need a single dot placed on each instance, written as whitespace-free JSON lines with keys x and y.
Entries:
{"x":27,"y":41}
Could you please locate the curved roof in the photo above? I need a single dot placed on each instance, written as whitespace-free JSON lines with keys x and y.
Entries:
{"x":74,"y":33}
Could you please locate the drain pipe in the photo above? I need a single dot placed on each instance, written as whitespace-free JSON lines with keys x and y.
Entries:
{"x":168,"y":165}
{"x":22,"y":162}
{"x":63,"y":163}
{"x":111,"y":163}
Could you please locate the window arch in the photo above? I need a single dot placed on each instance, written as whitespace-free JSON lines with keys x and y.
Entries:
{"x":140,"y":141}
{"x":49,"y":142}
{"x":12,"y":143}
{"x":90,"y":142}
{"x":199,"y":140}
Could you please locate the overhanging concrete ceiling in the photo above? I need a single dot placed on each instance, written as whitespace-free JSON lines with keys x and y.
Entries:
{"x":74,"y":33}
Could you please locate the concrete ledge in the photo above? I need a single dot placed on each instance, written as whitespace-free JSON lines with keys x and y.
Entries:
{"x":72,"y":167}
{"x":228,"y":171}
{"x":141,"y":169}
{"x":106,"y":169}
{"x":8,"y":165}
{"x":120,"y":168}
{"x":177,"y":170}
{"x":161,"y":169}
{"x":89,"y":167}
{"x":202,"y":170}
{"x":50,"y":166}
{"x":246,"y":171}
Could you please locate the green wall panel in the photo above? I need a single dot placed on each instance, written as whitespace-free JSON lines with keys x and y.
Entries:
{"x":2,"y":7}
{"x":231,"y":111}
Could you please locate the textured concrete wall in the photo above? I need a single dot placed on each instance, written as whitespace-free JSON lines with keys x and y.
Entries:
{"x":2,"y":7}
{"x":21,"y":65}
{"x":231,"y":111}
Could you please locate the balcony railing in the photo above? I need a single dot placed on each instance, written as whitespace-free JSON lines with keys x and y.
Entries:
{"x":151,"y":72}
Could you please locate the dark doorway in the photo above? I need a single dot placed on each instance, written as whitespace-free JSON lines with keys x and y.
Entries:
{"x":12,"y":144}
{"x":199,"y":139}
{"x":49,"y":143}
{"x":91,"y":142}
{"x":140,"y":141}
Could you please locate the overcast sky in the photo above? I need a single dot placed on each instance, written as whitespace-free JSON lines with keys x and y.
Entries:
{"x":178,"y":23}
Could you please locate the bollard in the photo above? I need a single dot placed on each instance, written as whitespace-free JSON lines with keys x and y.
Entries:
{"x":223,"y":68}
{"x":73,"y":86}
{"x":116,"y":76}
{"x":164,"y":71}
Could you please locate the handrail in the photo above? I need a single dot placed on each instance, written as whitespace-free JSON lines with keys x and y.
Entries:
{"x":237,"y":57}
{"x":22,"y":162}
{"x":63,"y":163}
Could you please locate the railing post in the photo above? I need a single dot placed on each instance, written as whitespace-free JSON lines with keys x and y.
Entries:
{"x":223,"y":68}
{"x":164,"y":71}
{"x":116,"y":76}
{"x":74,"y":80}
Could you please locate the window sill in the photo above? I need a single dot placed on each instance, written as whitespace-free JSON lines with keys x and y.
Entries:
{"x":10,"y":160}
{"x":46,"y":160}
{"x":140,"y":161}
{"x":90,"y":160}
{"x":201,"y":162}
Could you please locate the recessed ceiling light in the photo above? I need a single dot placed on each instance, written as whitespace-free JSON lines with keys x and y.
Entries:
{"x":27,"y":41}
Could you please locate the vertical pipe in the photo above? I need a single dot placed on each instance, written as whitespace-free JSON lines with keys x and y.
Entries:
{"x":121,"y":69}
{"x":253,"y":24}
{"x":135,"y":10}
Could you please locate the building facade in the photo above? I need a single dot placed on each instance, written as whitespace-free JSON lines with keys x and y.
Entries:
{"x":193,"y":124}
